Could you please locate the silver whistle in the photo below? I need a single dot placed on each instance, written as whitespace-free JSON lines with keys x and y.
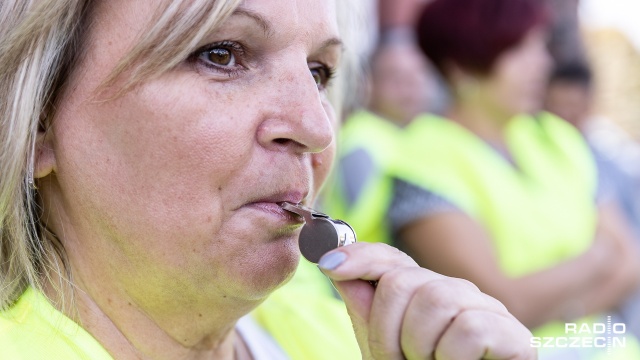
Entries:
{"x":320,"y":233}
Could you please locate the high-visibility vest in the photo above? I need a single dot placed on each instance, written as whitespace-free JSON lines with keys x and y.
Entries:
{"x":307,"y":319}
{"x":303,"y":319}
{"x":365,"y":131}
{"x":539,"y":213}
{"x":33,"y":329}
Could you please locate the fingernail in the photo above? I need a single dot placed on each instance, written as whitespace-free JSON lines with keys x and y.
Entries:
{"x":332,"y":260}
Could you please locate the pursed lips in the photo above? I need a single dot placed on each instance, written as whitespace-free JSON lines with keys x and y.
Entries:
{"x":269,"y":204}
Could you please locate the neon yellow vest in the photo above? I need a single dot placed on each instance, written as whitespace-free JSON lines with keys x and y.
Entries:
{"x":538,"y":215}
{"x":307,"y":320}
{"x":306,"y":323}
{"x":379,"y":138}
{"x":33,"y":329}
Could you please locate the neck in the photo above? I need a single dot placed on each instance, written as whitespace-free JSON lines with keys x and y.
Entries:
{"x":130,"y":330}
{"x":485,"y":123}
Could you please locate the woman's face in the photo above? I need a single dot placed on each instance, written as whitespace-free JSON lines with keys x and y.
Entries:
{"x":517,"y":82}
{"x":401,"y":82}
{"x":174,"y":184}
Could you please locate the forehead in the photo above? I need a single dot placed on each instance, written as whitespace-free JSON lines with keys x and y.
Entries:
{"x":159,"y":34}
{"x":293,"y":19}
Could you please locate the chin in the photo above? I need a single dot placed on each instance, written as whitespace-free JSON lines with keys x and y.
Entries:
{"x":271,"y":268}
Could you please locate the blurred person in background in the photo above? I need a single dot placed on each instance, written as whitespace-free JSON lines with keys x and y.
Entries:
{"x":400,"y":88}
{"x":499,"y":196}
{"x":570,"y":96}
{"x":401,"y":83}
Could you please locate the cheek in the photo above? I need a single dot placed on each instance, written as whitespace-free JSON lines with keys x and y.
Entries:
{"x":160,"y":159}
{"x":192,"y":143}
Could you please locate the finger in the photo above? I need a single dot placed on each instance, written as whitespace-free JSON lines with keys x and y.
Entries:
{"x":348,"y":265}
{"x":355,"y":262}
{"x":392,"y":297}
{"x":358,"y":297}
{"x":478,"y":334}
{"x":364,"y":261}
{"x":433,"y":308}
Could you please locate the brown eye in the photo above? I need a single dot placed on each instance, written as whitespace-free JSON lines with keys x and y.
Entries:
{"x":322,"y":75}
{"x":221,"y":56}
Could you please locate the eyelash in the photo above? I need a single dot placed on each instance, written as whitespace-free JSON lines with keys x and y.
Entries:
{"x":327,"y":77}
{"x":235,"y":49}
{"x":238,"y":52}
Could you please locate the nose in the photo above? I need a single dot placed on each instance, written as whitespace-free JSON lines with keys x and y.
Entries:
{"x":297,"y":117}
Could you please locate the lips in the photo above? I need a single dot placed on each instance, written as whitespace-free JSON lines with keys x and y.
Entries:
{"x":289,"y":196}
{"x":269,"y":206}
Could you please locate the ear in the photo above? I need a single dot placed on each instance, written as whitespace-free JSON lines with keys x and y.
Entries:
{"x":44,"y":157}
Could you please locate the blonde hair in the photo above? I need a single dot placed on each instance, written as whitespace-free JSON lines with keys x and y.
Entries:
{"x":355,"y":23}
{"x":40,"y":43}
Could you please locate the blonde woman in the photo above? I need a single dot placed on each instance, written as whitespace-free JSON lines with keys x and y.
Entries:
{"x":145,"y":145}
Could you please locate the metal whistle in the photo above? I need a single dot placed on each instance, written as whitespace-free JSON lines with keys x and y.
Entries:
{"x":320,"y":233}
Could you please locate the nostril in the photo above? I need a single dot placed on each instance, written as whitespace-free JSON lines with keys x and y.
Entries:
{"x":286,"y":143}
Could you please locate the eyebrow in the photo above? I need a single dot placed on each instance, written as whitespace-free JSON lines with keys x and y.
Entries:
{"x":268,"y":28}
{"x":331,"y":43}
{"x":264,"y":23}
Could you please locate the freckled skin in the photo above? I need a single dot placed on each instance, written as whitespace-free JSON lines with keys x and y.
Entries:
{"x":142,"y":179}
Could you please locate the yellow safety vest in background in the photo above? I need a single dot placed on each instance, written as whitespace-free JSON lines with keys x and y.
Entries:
{"x":365,"y":131}
{"x":538,"y":213}
{"x":307,"y":320}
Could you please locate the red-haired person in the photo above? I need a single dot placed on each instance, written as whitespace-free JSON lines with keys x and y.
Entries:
{"x":503,"y":195}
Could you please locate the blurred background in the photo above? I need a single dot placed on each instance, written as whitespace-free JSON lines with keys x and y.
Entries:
{"x":611,"y":35}
{"x":603,"y":33}
{"x":554,"y":94}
